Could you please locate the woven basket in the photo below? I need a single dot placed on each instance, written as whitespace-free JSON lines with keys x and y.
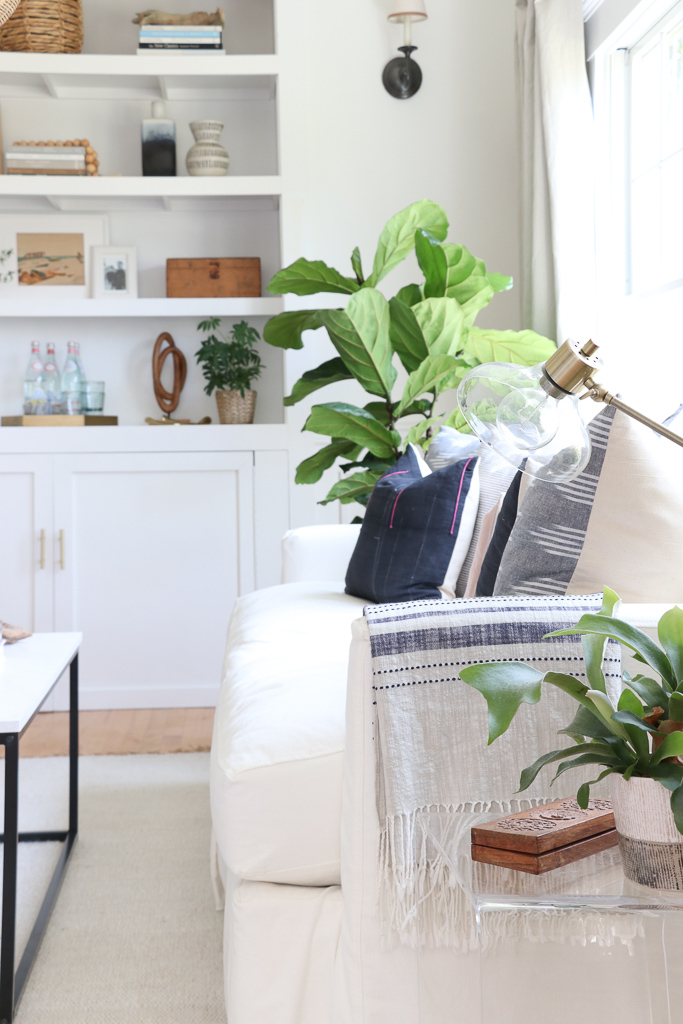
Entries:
{"x":44,"y":26}
{"x":232,"y":408}
{"x":7,"y":9}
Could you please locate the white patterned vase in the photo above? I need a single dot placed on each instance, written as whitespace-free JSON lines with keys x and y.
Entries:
{"x":651,"y":846}
{"x":207,"y":158}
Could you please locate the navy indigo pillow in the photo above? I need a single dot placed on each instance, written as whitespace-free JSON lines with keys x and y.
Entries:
{"x":416,"y":531}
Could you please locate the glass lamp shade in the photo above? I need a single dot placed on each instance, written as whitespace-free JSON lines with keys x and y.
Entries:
{"x":507,"y":408}
{"x":402,"y":9}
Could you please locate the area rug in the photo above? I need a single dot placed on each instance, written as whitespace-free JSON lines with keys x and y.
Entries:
{"x":135,"y":935}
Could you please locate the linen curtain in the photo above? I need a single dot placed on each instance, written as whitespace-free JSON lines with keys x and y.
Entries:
{"x":557,"y":167}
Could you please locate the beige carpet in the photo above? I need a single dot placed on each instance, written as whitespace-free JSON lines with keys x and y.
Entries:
{"x":134,"y":935}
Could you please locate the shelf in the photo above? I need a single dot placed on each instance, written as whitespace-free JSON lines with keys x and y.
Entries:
{"x":116,"y":193}
{"x":169,"y":76}
{"x":161,"y":308}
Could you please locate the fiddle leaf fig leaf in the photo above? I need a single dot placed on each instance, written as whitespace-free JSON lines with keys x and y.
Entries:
{"x":360,"y":335}
{"x":410,"y":294}
{"x":521,"y":347}
{"x":310,"y":470}
{"x":670,"y":633}
{"x":406,"y":335}
{"x":352,"y":488}
{"x":433,"y":264}
{"x":357,"y":265}
{"x":308,"y":277}
{"x":441,"y":322}
{"x":285,"y":329}
{"x":327,"y":373}
{"x":505,"y":687}
{"x":499,"y":282}
{"x":427,"y":377}
{"x":338,"y":419}
{"x":398,"y":236}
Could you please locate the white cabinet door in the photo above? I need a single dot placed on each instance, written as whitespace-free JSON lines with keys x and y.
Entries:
{"x":156,"y":547}
{"x":26,"y":541}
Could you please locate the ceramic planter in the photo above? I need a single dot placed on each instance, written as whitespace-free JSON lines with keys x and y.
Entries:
{"x":232,"y":408}
{"x":651,"y":846}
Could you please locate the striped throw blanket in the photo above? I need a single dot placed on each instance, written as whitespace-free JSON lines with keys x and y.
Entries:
{"x":431,"y":739}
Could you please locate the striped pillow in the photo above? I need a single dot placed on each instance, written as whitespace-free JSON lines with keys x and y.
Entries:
{"x":618,"y":524}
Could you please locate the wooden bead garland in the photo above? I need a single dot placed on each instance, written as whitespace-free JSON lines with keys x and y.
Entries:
{"x":91,"y":162}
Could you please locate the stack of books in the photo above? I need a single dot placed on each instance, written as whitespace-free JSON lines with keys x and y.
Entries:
{"x":208,"y":38}
{"x":45,"y":160}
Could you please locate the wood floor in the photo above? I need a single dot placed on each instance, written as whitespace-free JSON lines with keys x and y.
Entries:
{"x":157,"y":731}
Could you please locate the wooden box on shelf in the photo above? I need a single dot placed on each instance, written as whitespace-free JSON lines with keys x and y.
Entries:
{"x":213,"y":278}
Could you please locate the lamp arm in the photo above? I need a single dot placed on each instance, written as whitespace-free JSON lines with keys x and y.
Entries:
{"x":600,"y":394}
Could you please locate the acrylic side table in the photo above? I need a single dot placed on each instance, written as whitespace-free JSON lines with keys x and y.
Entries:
{"x":29,"y":671}
{"x":577,"y":945}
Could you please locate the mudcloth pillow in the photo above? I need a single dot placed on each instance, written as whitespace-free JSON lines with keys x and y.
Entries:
{"x":416,"y":531}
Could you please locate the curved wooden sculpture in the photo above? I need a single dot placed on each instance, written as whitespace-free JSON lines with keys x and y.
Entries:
{"x":168,"y":400}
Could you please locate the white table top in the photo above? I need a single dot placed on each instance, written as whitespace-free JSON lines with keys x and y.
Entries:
{"x":28,"y":671}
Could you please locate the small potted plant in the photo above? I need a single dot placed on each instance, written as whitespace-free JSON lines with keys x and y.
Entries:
{"x":229,"y":365}
{"x":639,"y":742}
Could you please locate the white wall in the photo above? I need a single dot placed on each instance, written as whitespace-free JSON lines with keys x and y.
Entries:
{"x":352,"y":156}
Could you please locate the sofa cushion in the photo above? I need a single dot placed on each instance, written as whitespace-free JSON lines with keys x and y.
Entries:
{"x":278,"y":742}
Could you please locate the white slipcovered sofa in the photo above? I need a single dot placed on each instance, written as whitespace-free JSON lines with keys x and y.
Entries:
{"x":296,"y":829}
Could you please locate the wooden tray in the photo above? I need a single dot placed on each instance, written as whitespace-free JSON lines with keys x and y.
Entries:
{"x":538,"y":864}
{"x":545,"y":828}
{"x":60,"y":421}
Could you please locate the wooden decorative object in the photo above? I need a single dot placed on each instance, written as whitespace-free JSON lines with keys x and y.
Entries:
{"x":44,"y":26}
{"x":92,"y":163}
{"x":546,"y":837}
{"x":154,"y":17}
{"x":213,"y":278}
{"x":168,"y":400}
{"x":59,"y":420}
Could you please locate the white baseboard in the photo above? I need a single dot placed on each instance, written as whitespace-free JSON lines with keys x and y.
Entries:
{"x":120,"y":699}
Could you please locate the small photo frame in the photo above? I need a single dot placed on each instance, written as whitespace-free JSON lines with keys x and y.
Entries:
{"x":114,"y":272}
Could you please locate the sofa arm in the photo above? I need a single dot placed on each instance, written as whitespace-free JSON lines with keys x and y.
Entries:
{"x":317,"y":554}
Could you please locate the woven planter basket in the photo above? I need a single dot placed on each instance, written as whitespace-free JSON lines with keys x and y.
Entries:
{"x":43,"y":26}
{"x":232,"y":408}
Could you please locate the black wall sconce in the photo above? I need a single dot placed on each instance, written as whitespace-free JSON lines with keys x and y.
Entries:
{"x":402,"y":76}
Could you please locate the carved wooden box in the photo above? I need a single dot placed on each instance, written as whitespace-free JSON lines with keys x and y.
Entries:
{"x":216,"y":278}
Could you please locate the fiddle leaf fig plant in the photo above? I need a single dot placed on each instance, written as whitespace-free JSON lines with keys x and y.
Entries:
{"x":642,"y":736}
{"x":428,"y":326}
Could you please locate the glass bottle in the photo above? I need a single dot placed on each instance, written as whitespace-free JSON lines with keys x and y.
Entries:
{"x":73,"y":379}
{"x":52,"y":382}
{"x":34,"y":393}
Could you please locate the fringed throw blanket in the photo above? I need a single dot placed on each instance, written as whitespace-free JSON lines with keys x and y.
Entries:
{"x":433,"y":764}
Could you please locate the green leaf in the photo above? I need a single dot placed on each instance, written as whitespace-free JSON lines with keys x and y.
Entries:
{"x":676,"y":707}
{"x":629,"y":636}
{"x":530,"y":773}
{"x":369,"y":461}
{"x":670,"y":775}
{"x":670,"y":633}
{"x":357,"y":265}
{"x":310,"y":470}
{"x":629,"y":702}
{"x":458,"y":422}
{"x":352,"y":488}
{"x":630,"y":770}
{"x":649,"y":691}
{"x":584,"y":759}
{"x":441,"y":322}
{"x":433,"y":263}
{"x":499,"y":282}
{"x":594,"y":646}
{"x":327,"y":373}
{"x":406,"y":335}
{"x":307,"y":277}
{"x":338,"y":419}
{"x":677,"y":807}
{"x":360,"y":335}
{"x":671,"y":747}
{"x":398,"y":237}
{"x":587,"y":723}
{"x":604,"y":708}
{"x":504,"y":687}
{"x":285,"y":329}
{"x":467,"y":281}
{"x":379,"y":410}
{"x":583,"y":795}
{"x":410,"y":294}
{"x":631,"y":718}
{"x":428,"y":376}
{"x":416,"y":433}
{"x":525,"y":348}
{"x":419,"y":408}
{"x":637,"y":731}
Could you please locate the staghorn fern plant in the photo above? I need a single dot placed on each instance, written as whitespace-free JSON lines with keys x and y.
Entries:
{"x":641,"y":737}
{"x":430,"y":327}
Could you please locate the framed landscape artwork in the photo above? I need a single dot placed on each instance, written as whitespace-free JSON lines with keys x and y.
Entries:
{"x":44,"y":258}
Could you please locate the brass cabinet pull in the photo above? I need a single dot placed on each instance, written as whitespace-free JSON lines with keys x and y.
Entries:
{"x":61,"y":549}
{"x":42,"y":549}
